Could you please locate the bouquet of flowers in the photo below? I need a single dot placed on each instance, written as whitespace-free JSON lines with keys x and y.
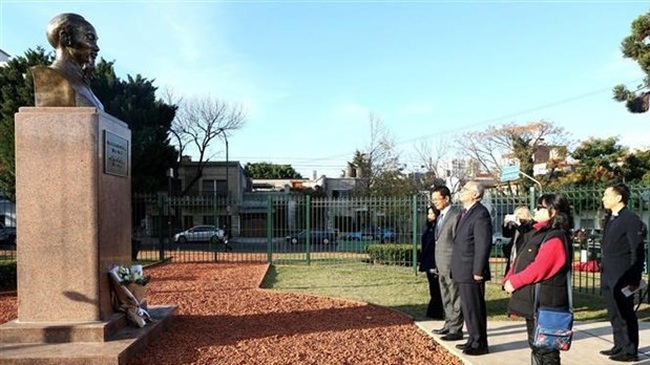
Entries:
{"x":129,"y":285}
{"x":134,"y":279}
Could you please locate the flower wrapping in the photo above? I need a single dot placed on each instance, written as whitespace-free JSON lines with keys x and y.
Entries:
{"x":130,"y":291}
{"x":139,"y":291}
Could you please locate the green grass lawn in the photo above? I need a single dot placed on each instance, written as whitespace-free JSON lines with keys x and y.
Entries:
{"x":398,"y":288}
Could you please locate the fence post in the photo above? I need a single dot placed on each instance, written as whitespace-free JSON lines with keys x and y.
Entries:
{"x":647,"y":250}
{"x":414,"y":236}
{"x":161,"y":229}
{"x":308,"y":228}
{"x":212,"y":246}
{"x":531,"y":198}
{"x":269,"y":230}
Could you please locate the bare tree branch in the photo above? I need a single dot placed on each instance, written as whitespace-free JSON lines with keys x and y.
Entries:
{"x":198,"y":122}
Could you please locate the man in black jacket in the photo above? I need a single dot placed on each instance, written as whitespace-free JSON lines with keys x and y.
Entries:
{"x":470,"y":265}
{"x":622,"y":265}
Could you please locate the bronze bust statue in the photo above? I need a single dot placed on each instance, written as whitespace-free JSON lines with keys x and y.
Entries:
{"x":66,"y":82}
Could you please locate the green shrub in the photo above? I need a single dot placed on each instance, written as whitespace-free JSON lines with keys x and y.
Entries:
{"x":391,"y":254}
{"x":8,"y":276}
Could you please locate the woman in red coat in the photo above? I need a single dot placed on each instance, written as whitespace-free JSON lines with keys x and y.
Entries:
{"x":545,"y":258}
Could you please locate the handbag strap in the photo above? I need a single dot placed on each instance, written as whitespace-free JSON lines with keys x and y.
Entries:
{"x":569,"y":289}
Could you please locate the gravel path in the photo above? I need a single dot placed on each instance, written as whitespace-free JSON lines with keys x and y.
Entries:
{"x":224,"y":318}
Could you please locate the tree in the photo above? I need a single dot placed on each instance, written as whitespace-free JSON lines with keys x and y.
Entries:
{"x":267,"y":170}
{"x":600,"y":160}
{"x":16,"y":90}
{"x":134,"y":102}
{"x":636,"y":46}
{"x":378,"y":165}
{"x":497,"y":147}
{"x":198,"y":122}
{"x":605,"y":161}
{"x":637,"y":166}
{"x":438,"y":171}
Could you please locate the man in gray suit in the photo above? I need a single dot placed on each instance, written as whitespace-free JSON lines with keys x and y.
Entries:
{"x":470,"y":267}
{"x":444,"y":233}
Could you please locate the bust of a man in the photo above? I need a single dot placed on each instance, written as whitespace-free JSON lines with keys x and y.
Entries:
{"x":66,"y":82}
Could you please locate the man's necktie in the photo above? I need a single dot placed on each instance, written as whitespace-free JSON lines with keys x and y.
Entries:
{"x":439,"y":224}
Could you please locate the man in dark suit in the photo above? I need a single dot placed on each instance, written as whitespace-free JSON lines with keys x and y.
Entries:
{"x":445,"y":228}
{"x":470,"y":265}
{"x":623,"y":255}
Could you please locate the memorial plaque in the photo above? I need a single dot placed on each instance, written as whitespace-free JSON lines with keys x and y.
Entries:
{"x":116,"y":155}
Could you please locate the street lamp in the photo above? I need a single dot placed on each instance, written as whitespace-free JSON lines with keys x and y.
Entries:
{"x":225,"y":137}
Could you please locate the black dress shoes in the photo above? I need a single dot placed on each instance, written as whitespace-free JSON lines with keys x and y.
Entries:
{"x":475,"y":351}
{"x":624,"y":357}
{"x":613,"y":351}
{"x":452,"y":337}
{"x":461,"y":346}
{"x":440,"y":331}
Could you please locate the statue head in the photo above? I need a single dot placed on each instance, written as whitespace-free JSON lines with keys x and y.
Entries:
{"x":75,"y":41}
{"x":66,"y":82}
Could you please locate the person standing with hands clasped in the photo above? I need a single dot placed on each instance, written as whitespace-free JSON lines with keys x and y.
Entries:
{"x":470,"y":267}
{"x":543,"y":258}
{"x":427,"y":262}
{"x":452,"y":330}
{"x":621,"y":266}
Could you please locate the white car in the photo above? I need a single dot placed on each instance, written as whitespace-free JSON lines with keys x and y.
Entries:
{"x":203,"y":233}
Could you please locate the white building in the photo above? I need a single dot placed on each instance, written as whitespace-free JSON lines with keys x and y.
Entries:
{"x":4,"y":57}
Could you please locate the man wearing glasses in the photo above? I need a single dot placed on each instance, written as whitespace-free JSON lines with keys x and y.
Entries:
{"x":445,"y":227}
{"x":470,"y":265}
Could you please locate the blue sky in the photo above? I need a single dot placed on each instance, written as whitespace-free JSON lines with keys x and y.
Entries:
{"x":309,"y":73}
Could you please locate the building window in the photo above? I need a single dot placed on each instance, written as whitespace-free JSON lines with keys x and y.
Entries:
{"x":340,"y":193}
{"x":214,"y":187}
{"x":209,"y":219}
{"x":188,"y":221}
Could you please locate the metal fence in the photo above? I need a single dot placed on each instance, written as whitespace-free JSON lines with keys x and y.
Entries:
{"x":290,"y":229}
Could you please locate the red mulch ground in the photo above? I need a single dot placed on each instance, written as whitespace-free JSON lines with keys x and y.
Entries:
{"x":224,"y":318}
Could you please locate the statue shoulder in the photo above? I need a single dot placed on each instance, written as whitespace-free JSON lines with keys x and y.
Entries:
{"x":51,"y":88}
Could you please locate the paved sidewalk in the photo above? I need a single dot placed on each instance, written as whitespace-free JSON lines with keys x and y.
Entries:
{"x":508,"y":345}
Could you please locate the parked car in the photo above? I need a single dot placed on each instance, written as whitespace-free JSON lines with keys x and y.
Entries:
{"x":316,"y":237}
{"x":371,"y":234}
{"x":498,"y":239}
{"x":202,"y":233}
{"x":7,"y":235}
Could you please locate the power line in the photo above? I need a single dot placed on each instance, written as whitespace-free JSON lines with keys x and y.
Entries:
{"x":488,"y":121}
{"x":518,"y":113}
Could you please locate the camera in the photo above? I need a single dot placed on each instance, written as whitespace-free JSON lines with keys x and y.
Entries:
{"x":511,"y":218}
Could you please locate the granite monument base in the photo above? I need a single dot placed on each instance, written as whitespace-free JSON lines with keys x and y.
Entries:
{"x":73,"y":203}
{"x":120,"y":347}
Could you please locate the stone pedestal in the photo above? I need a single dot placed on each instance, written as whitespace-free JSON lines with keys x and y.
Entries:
{"x":73,"y":185}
